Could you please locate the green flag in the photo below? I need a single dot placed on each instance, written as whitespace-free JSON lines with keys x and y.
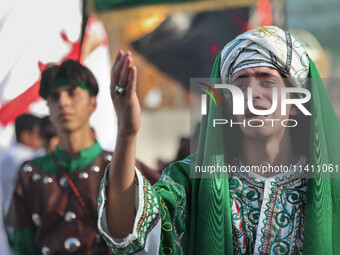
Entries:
{"x":109,"y":5}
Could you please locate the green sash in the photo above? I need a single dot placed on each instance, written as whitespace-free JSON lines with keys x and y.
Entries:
{"x":210,"y":214}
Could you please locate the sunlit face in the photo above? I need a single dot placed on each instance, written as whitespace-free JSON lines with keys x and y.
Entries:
{"x":70,"y":108}
{"x":261,"y":80}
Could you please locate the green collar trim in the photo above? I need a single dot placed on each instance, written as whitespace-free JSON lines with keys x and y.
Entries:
{"x":85,"y":157}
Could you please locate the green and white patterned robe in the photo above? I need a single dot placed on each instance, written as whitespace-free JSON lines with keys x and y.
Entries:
{"x":267,"y":213}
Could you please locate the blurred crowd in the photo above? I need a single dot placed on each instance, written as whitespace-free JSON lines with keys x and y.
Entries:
{"x":50,"y":175}
{"x":35,"y":136}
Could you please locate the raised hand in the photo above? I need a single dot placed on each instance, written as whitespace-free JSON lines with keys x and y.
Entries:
{"x":121,"y":189}
{"x":127,"y":107}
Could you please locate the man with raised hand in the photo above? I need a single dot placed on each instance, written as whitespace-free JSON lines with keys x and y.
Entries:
{"x":244,"y":212}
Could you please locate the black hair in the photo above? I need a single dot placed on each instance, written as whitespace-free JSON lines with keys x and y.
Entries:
{"x":72,"y":70}
{"x":25,"y":122}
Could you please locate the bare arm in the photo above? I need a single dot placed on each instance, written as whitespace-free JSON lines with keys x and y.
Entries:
{"x":121,"y":190}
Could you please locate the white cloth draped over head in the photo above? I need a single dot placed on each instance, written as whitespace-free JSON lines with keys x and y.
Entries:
{"x":266,"y":46}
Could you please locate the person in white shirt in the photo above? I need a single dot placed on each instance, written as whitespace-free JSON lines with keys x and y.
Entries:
{"x":28,"y":145}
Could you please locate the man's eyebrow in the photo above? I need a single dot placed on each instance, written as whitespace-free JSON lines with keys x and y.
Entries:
{"x":257,"y":73}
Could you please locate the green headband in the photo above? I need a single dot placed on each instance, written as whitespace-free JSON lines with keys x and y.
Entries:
{"x":64,"y":82}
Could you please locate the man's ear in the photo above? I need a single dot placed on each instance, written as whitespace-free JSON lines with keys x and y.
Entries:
{"x":93,"y":103}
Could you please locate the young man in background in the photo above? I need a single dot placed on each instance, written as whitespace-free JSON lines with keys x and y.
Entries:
{"x":56,"y":195}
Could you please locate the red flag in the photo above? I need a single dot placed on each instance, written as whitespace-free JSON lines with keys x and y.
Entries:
{"x":11,"y":109}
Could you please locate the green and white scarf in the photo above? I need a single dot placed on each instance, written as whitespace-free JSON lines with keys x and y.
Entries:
{"x":210,"y":212}
{"x":266,"y":46}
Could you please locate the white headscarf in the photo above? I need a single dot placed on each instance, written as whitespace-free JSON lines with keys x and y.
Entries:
{"x":266,"y":46}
